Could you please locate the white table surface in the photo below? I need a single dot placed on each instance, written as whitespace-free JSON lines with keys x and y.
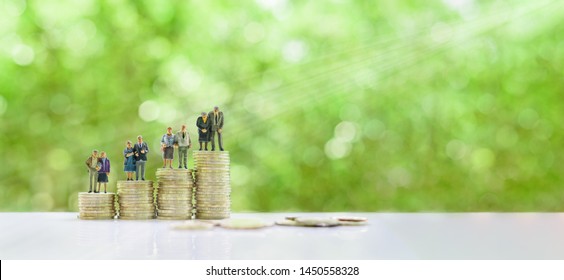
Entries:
{"x":387,"y":236}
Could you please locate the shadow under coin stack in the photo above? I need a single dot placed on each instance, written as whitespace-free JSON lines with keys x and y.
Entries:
{"x":213,"y":185}
{"x":136,"y":200}
{"x":96,"y":206}
{"x":174,"y":194}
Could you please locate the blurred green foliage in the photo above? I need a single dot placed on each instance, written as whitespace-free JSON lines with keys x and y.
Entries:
{"x":340,"y":105}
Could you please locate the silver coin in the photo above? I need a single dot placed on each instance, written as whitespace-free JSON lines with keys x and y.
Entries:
{"x":316,"y":222}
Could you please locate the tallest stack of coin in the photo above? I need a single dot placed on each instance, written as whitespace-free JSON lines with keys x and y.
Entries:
{"x":213,"y":185}
{"x":136,"y":200}
{"x":96,"y":206}
{"x":174,"y":194}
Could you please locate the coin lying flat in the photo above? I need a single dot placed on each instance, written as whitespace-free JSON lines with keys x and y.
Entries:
{"x":244,"y":224}
{"x":287,"y":222}
{"x":351,"y":221}
{"x":345,"y":223}
{"x":316,"y":222}
{"x":194,"y":225}
{"x":308,"y":222}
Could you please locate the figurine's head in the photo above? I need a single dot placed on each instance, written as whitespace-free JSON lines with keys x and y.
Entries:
{"x":95,"y":153}
{"x":140,"y":138}
{"x":128,"y":144}
{"x":204,"y":114}
{"x":169,"y":130}
{"x":183,"y":127}
{"x":216,"y":108}
{"x":103,"y":154}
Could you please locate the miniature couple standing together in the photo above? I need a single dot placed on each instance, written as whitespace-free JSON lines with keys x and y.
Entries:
{"x":99,"y":169}
{"x":135,"y":159}
{"x":209,"y":125}
{"x":180,"y":140}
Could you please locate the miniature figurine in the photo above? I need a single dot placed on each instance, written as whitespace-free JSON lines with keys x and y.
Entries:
{"x":91,"y":163}
{"x":167,"y":146}
{"x":104,"y":172}
{"x":129,"y":161}
{"x":216,"y":119}
{"x":183,"y":142}
{"x":141,"y":149}
{"x":203,"y":125}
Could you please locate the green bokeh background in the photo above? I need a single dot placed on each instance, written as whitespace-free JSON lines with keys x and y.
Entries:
{"x":330,"y":105}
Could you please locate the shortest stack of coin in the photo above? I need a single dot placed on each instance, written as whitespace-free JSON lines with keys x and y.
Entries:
{"x":96,"y":206}
{"x":136,"y":200}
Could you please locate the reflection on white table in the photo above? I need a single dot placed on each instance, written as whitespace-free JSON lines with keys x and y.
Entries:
{"x":387,"y":236}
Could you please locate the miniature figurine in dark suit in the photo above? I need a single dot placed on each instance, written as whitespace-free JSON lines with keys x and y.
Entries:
{"x":216,"y":119}
{"x":141,"y":149}
{"x":203,"y":123}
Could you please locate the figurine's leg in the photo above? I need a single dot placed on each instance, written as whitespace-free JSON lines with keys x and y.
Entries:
{"x":91,"y":179}
{"x":143,"y":171}
{"x":212,"y":139}
{"x":220,"y":141}
{"x":206,"y":146}
{"x":95,"y":178}
{"x":200,"y":145}
{"x":137,"y":169}
{"x":179,"y":157}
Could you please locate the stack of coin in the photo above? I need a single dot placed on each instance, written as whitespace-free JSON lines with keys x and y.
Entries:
{"x":96,"y":206}
{"x":213,"y":185}
{"x":174,"y":194}
{"x":136,"y":200}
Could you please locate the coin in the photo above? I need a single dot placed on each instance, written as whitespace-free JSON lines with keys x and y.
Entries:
{"x":174,"y":218}
{"x":96,"y":218}
{"x":136,"y":218}
{"x":212,"y":217}
{"x":351,"y":219}
{"x":316,"y":222}
{"x":287,"y":222}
